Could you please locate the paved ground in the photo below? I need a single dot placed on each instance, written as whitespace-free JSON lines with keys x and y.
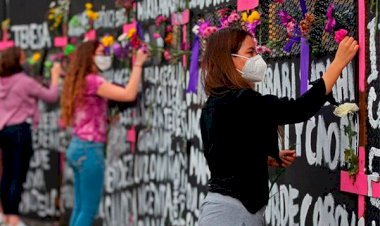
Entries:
{"x":30,"y":222}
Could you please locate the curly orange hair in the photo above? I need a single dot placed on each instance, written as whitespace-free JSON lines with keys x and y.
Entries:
{"x":80,"y":66}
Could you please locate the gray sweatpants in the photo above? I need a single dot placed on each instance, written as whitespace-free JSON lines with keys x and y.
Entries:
{"x":222,"y":210}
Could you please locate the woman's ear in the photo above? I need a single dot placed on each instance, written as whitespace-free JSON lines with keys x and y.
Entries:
{"x":238,"y":62}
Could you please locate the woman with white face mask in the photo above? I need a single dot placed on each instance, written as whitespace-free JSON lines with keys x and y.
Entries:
{"x":84,"y":107}
{"x":239,"y":125}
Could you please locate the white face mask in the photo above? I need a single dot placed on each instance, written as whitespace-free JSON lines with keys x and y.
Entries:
{"x":254,"y":68}
{"x":103,"y":62}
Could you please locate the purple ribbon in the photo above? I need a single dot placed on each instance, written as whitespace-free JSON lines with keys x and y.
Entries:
{"x":303,"y":7}
{"x":194,"y":67}
{"x":305,"y":52}
{"x":305,"y":56}
{"x":296,"y":37}
{"x":289,"y":45}
{"x":139,"y":31}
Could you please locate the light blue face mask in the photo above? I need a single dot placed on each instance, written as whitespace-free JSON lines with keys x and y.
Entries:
{"x":254,"y":68}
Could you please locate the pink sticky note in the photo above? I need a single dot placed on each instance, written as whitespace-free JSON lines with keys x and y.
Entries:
{"x":247,"y":4}
{"x":357,"y":186}
{"x":6,"y":44}
{"x":5,"y":35}
{"x":361,"y":206}
{"x":90,"y":35}
{"x":60,"y":41}
{"x":375,"y":189}
{"x":128,"y":27}
{"x":361,"y":159}
{"x":131,"y":135}
{"x":181,"y":18}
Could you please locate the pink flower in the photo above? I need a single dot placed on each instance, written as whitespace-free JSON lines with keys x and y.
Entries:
{"x":251,"y":27}
{"x":156,"y":35}
{"x":167,"y":56}
{"x":259,"y":49}
{"x":145,"y":48}
{"x":267,"y":50}
{"x":169,"y":28}
{"x":202,"y":27}
{"x":222,"y":12}
{"x":340,"y":35}
{"x":290,"y":27}
{"x":233,"y":17}
{"x":209,"y":31}
{"x":330,"y":24}
{"x":285,"y":18}
{"x":160,"y":19}
{"x":224,"y":22}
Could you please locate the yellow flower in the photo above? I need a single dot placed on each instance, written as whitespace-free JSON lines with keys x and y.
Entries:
{"x":88,"y":6}
{"x":5,"y":24}
{"x":254,"y":16}
{"x":107,"y":40}
{"x":131,"y":32}
{"x":244,"y":16}
{"x":51,"y":16}
{"x":92,"y":15}
{"x":36,"y":57}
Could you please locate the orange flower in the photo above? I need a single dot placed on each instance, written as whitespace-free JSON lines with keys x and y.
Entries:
{"x":169,"y":38}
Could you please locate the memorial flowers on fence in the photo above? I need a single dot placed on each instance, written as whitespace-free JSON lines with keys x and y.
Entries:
{"x":249,"y":20}
{"x":58,"y":15}
{"x":167,"y":41}
{"x":350,"y":155}
{"x":335,"y":24}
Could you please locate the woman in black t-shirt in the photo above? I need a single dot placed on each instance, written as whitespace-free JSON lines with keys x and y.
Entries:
{"x":239,"y":125}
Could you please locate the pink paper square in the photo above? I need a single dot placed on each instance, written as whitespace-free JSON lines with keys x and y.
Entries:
{"x":375,"y":189}
{"x":181,"y":18}
{"x":6,"y":44}
{"x":60,"y":41}
{"x":359,"y":186}
{"x":131,"y":135}
{"x":247,"y":4}
{"x":128,"y":27}
{"x":91,"y":35}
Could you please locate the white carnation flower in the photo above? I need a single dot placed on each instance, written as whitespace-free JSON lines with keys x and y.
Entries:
{"x":195,"y":29}
{"x":345,"y":109}
{"x":122,"y":37}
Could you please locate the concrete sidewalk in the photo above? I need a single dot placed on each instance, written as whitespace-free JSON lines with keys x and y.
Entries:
{"x":33,"y":222}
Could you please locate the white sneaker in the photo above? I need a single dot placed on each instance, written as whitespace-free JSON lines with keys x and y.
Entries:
{"x":2,"y":219}
{"x":21,"y":223}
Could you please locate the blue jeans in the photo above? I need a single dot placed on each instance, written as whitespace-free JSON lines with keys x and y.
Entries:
{"x":87,"y":161}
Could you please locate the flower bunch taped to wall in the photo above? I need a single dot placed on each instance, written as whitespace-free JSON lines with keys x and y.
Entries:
{"x":321,"y":23}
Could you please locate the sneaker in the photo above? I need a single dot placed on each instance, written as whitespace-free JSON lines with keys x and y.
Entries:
{"x":2,"y":219}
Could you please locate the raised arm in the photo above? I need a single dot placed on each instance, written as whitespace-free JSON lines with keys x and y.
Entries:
{"x":50,"y":94}
{"x":129,"y":92}
{"x":289,"y":111}
{"x":346,"y":52}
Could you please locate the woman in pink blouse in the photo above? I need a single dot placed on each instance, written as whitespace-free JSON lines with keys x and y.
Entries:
{"x":84,"y":107}
{"x":18,"y":106}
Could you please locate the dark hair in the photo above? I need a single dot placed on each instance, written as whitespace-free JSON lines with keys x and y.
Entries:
{"x":10,"y":61}
{"x":80,"y":66}
{"x":218,"y":69}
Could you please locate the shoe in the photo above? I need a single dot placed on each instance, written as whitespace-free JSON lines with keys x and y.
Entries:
{"x":2,"y":219}
{"x":21,"y":224}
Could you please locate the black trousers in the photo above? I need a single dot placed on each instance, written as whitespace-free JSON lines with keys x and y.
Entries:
{"x":17,"y":150}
